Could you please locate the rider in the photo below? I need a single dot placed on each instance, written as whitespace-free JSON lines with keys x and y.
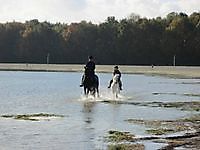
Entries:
{"x":116,"y":71}
{"x":91,"y":65}
{"x":89,"y":69}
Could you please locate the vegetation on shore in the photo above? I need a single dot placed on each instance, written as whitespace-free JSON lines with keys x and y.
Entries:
{"x":175,"y":133}
{"x":32,"y":117}
{"x":183,"y":132}
{"x":117,"y":136}
{"x":126,"y":147}
{"x":188,"y":106}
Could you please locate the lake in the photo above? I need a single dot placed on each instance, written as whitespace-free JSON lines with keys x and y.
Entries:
{"x":86,"y":122}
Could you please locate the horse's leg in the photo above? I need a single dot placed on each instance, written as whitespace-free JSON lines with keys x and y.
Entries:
{"x":113,"y":91}
{"x":97,"y":90}
{"x":97,"y":85}
{"x":117,"y":90}
{"x":85,"y":90}
{"x":93,"y":91}
{"x":116,"y":95}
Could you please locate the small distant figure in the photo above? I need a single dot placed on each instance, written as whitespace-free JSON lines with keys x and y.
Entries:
{"x":89,"y":69}
{"x":116,"y":71}
{"x":152,"y":66}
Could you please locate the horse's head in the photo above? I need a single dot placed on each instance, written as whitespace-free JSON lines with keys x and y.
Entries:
{"x":116,"y":78}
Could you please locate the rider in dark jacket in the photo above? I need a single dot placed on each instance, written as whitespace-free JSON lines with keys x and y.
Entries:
{"x":116,"y":71}
{"x":89,"y":69}
{"x":91,"y":65}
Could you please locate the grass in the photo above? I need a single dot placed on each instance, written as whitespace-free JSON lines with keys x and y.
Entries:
{"x":159,"y":131}
{"x":193,"y":119}
{"x":126,"y":147}
{"x":184,"y":94}
{"x":31,"y":117}
{"x":117,"y":136}
{"x":164,"y":131}
{"x":120,"y":137}
{"x":162,"y":127}
{"x":188,"y":106}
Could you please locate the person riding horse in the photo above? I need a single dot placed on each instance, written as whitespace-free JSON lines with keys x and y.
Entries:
{"x":89,"y":70}
{"x":116,"y":71}
{"x":90,"y":80}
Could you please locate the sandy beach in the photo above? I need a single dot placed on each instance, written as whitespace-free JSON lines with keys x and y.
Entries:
{"x":171,"y":71}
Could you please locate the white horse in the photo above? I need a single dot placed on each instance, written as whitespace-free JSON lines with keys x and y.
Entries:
{"x":115,"y":85}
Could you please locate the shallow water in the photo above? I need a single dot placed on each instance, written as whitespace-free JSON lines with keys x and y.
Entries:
{"x":86,"y":122}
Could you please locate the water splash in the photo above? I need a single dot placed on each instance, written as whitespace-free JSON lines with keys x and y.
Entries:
{"x":105,"y":95}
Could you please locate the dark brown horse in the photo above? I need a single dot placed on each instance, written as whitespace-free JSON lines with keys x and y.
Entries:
{"x":91,"y":85}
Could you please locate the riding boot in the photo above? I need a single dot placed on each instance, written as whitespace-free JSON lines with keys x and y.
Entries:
{"x":110,"y":83}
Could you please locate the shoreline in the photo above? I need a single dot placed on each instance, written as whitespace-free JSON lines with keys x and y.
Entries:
{"x":169,"y":71}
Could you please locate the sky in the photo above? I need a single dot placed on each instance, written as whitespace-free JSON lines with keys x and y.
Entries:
{"x":96,"y":11}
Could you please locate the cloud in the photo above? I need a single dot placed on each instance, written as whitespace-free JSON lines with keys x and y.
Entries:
{"x":99,"y":10}
{"x":189,"y":6}
{"x":50,"y":10}
{"x":91,"y":10}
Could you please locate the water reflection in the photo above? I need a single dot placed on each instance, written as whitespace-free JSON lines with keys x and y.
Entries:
{"x":88,"y":129}
{"x":88,"y":110}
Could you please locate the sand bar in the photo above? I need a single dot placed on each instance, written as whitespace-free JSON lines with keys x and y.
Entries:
{"x":171,"y":71}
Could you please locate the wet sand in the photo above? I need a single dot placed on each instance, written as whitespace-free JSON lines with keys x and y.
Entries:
{"x":170,"y":71}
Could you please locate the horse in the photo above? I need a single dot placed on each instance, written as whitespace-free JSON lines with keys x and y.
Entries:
{"x":91,"y":85}
{"x":115,"y":85}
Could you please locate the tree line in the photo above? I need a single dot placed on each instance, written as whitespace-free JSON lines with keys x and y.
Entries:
{"x":129,"y":41}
